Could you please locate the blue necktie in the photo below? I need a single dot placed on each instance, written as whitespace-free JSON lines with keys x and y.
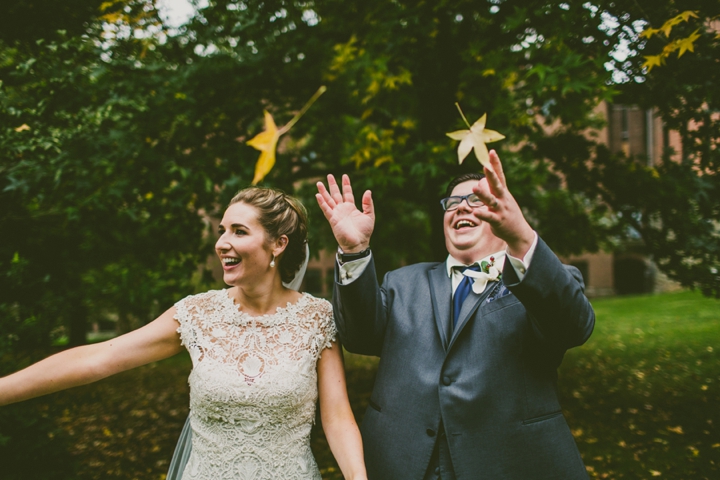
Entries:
{"x":463,"y":290}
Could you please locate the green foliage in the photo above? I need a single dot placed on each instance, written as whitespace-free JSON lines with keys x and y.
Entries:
{"x":389,"y":103}
{"x":112,"y":142}
{"x":98,"y":213}
{"x":674,"y":206}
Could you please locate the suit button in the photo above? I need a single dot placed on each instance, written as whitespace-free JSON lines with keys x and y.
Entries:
{"x":446,"y":381}
{"x":430,"y":432}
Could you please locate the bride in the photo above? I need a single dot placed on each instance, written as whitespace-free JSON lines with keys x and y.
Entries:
{"x":262,"y":354}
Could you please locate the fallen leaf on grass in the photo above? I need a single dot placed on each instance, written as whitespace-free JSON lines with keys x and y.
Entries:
{"x":677,"y":429}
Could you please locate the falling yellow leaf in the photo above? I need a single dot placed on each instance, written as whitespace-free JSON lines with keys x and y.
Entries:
{"x":677,"y":429}
{"x":655,"y":473}
{"x":22,"y":128}
{"x":652,"y":61}
{"x":686,"y":44}
{"x":475,"y":139}
{"x":266,"y":141}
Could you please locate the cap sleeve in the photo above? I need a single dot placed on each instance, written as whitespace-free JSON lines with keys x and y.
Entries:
{"x":186,"y":314}
{"x":327,"y":331}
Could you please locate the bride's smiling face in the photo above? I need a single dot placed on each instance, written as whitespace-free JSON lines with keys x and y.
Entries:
{"x":243,"y":246}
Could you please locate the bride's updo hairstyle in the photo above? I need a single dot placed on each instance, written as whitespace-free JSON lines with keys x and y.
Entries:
{"x":279,"y":214}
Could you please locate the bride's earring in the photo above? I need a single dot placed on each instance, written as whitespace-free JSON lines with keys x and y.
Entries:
{"x":272,"y":262}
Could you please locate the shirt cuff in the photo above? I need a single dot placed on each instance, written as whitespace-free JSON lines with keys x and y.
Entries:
{"x":349,"y":271}
{"x":521,"y":265}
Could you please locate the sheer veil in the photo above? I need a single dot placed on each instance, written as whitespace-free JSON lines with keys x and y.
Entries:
{"x":184,"y":445}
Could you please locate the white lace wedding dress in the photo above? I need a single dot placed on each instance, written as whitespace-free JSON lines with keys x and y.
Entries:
{"x":253,"y":386}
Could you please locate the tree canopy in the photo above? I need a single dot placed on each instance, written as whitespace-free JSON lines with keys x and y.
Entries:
{"x":120,"y":137}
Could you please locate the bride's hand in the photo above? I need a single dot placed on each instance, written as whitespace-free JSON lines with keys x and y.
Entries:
{"x":352,"y":228}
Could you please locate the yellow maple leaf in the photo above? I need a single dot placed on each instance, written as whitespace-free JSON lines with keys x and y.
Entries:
{"x":667,"y":26}
{"x":652,"y":61}
{"x":649,"y":32}
{"x":687,"y":14}
{"x":266,"y":141}
{"x":475,"y":139}
{"x":686,"y":44}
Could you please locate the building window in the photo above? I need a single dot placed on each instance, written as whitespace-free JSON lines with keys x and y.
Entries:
{"x":632,"y":276}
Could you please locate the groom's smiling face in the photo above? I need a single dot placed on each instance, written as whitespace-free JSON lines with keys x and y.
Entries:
{"x":467,"y":238}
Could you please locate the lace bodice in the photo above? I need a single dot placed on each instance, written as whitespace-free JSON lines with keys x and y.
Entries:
{"x":253,"y":386}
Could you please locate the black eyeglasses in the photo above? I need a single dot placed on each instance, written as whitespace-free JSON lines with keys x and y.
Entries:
{"x":451,"y":203}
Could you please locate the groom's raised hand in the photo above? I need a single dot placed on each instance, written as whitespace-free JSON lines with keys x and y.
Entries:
{"x":352,"y":228}
{"x":503,"y":213}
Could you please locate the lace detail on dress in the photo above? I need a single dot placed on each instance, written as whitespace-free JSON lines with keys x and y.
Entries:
{"x":253,"y":387}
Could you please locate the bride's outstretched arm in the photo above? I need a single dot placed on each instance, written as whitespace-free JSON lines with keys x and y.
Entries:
{"x":338,"y":421}
{"x":82,"y":365}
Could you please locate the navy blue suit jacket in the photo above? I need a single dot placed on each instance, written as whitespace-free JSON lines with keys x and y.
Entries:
{"x":491,"y":381}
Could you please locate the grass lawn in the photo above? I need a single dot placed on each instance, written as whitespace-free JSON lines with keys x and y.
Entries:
{"x":642,"y":398}
{"x":643,"y":395}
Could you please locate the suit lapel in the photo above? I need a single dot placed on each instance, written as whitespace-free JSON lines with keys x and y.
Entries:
{"x":471,"y":304}
{"x":441,"y":296}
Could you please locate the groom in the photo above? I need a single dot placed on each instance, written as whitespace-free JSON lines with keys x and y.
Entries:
{"x":466,"y":385}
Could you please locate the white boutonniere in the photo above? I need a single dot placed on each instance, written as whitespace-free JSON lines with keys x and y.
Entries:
{"x":488,"y":273}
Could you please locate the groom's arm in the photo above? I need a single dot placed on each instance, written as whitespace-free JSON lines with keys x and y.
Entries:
{"x":553,"y":295}
{"x":359,"y":307}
